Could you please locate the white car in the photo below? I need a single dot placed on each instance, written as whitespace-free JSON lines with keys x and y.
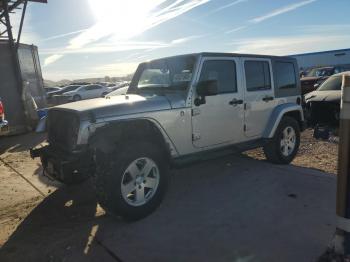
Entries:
{"x":119,"y":91}
{"x":87,"y":92}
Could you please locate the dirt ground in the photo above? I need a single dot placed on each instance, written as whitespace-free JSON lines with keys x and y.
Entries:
{"x":23,"y":188}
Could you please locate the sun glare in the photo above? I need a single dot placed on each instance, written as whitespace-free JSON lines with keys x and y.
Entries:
{"x":123,"y":18}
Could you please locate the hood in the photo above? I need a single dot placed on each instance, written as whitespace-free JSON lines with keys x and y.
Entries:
{"x":309,"y":78}
{"x":123,"y":105}
{"x":328,"y":96}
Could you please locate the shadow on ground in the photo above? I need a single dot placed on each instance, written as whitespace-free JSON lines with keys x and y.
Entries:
{"x":19,"y":143}
{"x":229,"y":209}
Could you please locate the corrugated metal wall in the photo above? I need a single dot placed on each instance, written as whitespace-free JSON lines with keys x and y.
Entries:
{"x":31,"y":76}
{"x":10,"y":96}
{"x":329,"y":58}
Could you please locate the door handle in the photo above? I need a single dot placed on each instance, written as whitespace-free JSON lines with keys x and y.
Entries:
{"x":235,"y":102}
{"x":268,"y":98}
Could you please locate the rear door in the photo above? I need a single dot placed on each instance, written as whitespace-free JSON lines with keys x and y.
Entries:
{"x":259,"y":95}
{"x":220,"y":119}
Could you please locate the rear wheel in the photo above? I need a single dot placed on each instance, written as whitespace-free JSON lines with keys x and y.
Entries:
{"x":284,"y":146}
{"x":131,"y":183}
{"x":76,"y":97}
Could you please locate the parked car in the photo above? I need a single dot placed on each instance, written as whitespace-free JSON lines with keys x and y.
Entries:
{"x":68,"y":88}
{"x":51,"y":89}
{"x":86,"y":92}
{"x":4,"y":127}
{"x":119,"y":91}
{"x":317,"y":76}
{"x":323,"y":105}
{"x":176,"y":110}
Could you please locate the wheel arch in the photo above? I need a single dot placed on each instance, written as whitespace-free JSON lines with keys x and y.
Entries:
{"x":107,"y":137}
{"x":288,"y":109}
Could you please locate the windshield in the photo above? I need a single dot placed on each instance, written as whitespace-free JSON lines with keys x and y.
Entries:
{"x":70,"y":88}
{"x":119,"y":91}
{"x":317,"y":72}
{"x":332,"y":83}
{"x":170,"y":74}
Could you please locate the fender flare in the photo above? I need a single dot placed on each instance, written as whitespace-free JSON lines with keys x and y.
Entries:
{"x":166,"y":139}
{"x":276,"y":117}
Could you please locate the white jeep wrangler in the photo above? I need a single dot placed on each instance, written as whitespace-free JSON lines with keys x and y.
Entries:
{"x":177,"y":109}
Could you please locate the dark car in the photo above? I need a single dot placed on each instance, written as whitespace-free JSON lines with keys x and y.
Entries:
{"x":317,"y":76}
{"x":323,"y":105}
{"x":65,"y":89}
{"x":51,"y":89}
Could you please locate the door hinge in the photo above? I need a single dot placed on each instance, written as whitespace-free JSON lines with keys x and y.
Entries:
{"x":196,"y":137}
{"x":245,"y":106}
{"x":196,"y":111}
{"x":244,"y":127}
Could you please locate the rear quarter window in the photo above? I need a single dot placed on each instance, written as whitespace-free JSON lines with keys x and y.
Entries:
{"x":285,"y":75}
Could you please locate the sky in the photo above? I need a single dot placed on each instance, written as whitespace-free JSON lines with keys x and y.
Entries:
{"x":97,"y":38}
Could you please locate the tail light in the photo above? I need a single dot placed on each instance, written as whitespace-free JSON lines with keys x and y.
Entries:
{"x":2,"y":111}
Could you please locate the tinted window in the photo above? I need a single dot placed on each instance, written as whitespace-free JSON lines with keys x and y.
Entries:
{"x":285,"y":75}
{"x":222,"y":71}
{"x":257,"y":74}
{"x":93,"y":87}
{"x":332,"y":83}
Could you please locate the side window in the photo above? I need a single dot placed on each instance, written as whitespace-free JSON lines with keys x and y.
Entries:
{"x":224,"y":71}
{"x":285,"y":75}
{"x":93,"y":87}
{"x":257,"y":74}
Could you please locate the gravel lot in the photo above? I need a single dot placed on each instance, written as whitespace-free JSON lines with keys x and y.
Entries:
{"x":316,"y":154}
{"x":24,"y":191}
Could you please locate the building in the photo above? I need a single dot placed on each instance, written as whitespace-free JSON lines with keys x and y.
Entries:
{"x":325,"y":58}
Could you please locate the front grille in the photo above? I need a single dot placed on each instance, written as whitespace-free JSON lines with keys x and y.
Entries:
{"x":63,"y":128}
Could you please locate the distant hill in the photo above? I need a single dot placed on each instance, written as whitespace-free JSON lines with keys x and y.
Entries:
{"x":51,"y":83}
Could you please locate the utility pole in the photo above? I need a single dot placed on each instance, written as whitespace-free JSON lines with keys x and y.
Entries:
{"x":342,"y":236}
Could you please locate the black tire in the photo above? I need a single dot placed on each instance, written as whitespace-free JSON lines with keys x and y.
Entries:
{"x":109,"y":173}
{"x":273,"y":149}
{"x":76,"y":97}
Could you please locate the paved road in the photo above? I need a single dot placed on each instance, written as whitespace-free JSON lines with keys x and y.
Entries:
{"x":229,"y":209}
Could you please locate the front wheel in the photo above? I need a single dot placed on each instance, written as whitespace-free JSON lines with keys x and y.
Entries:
{"x":131,"y":183}
{"x":284,"y":146}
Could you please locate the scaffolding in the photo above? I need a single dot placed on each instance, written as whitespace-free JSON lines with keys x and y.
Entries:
{"x":8,"y":7}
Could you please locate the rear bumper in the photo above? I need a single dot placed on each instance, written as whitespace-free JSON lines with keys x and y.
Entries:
{"x":58,"y":165}
{"x":4,"y":128}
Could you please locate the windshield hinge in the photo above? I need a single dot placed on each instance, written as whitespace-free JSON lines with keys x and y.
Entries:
{"x":196,"y":111}
{"x":196,"y":136}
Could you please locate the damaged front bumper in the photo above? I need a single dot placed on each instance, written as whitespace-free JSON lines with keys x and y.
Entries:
{"x":63,"y":166}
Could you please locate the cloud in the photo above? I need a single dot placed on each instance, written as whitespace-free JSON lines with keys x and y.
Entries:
{"x":110,"y":46}
{"x":63,"y":35}
{"x":133,"y":18}
{"x":272,"y":14}
{"x":116,"y":69}
{"x":281,"y":11}
{"x":51,"y":59}
{"x":289,"y":45}
{"x":224,"y":7}
{"x":235,"y":29}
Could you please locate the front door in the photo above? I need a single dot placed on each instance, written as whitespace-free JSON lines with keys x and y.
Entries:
{"x":259,"y":95}
{"x":220,"y":119}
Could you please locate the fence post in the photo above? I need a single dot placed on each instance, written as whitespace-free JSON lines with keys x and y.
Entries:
{"x":342,"y":236}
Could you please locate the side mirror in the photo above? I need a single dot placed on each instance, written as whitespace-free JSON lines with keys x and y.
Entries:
{"x":207,"y":88}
